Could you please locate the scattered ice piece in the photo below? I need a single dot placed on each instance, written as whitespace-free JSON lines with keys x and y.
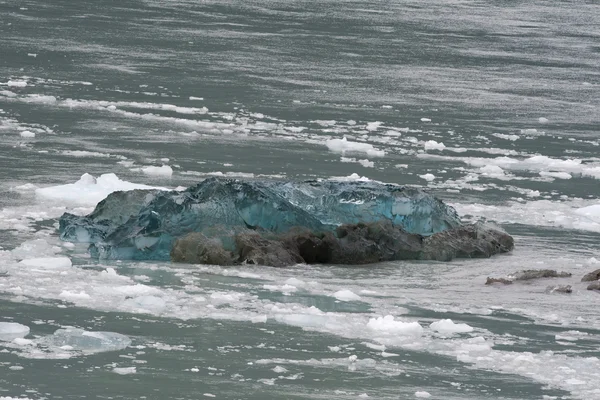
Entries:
{"x":124,"y":370}
{"x":387,"y":324}
{"x":208,"y":395}
{"x":343,"y":146}
{"x":346,"y":295}
{"x":196,"y":98}
{"x":47,"y":262}
{"x":373,"y":126}
{"x":447,"y":326}
{"x":12,"y":330}
{"x":16,"y":83}
{"x":366,"y":163}
{"x":259,"y":319}
{"x":279,"y":369}
{"x":558,"y":175}
{"x":88,"y":190}
{"x":353,"y":358}
{"x":433,"y":145}
{"x":425,"y":119}
{"x":66,"y":294}
{"x":422,"y":395}
{"x":428,"y":177}
{"x":27,"y":134}
{"x":22,"y":342}
{"x":152,"y":304}
{"x":164,"y":171}
{"x":543,"y":120}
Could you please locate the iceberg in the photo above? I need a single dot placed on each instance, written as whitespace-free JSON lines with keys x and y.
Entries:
{"x":228,"y":221}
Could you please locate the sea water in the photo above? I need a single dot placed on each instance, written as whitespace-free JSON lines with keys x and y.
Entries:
{"x":492,"y":107}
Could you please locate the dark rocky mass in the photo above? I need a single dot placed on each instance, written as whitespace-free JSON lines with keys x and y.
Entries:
{"x":594,"y":286}
{"x":592,"y":276}
{"x":349,"y":244}
{"x":504,"y":281}
{"x":540,"y":273}
{"x":566,"y":289}
{"x":529,"y":274}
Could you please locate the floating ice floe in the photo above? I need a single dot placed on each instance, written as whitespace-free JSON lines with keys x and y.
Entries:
{"x":85,"y":342}
{"x":12,"y":330}
{"x":448,"y":327}
{"x":344,"y":146}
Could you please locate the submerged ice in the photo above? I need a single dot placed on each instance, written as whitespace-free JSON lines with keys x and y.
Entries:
{"x":229,"y":221}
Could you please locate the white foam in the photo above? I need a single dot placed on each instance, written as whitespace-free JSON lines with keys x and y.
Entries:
{"x":448,"y":327}
{"x":88,"y":191}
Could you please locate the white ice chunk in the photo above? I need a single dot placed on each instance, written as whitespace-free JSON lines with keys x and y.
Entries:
{"x":152,"y":304}
{"x":48,"y":262}
{"x":343,"y":146}
{"x":16,"y":83}
{"x":433,"y":145}
{"x":88,"y":190}
{"x":124,"y":370}
{"x":448,"y":327}
{"x":27,"y":134}
{"x":387,"y":324}
{"x":346,"y":295}
{"x":422,"y":395}
{"x":11,"y":330}
{"x":427,"y":177}
{"x":164,"y":171}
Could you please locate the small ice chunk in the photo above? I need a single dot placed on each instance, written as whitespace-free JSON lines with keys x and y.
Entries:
{"x":279,"y":369}
{"x":366,"y":163}
{"x":433,"y":145}
{"x":87,"y":342}
{"x":448,"y":327}
{"x":12,"y":330}
{"x":422,"y":395}
{"x":16,"y":83}
{"x":47,"y":262}
{"x":27,"y":134}
{"x":164,"y":171}
{"x":344,"y":146}
{"x":346,"y":295}
{"x":145,"y":304}
{"x":124,"y":370}
{"x":427,"y":177}
{"x":259,"y":319}
{"x":387,"y":324}
{"x":543,"y":120}
{"x":425,"y":119}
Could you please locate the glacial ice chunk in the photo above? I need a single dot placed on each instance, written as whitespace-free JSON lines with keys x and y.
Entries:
{"x":143,"y":224}
{"x":86,"y":342}
{"x":12,"y":330}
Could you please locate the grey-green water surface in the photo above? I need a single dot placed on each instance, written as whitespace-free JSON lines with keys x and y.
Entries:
{"x":493,"y":106}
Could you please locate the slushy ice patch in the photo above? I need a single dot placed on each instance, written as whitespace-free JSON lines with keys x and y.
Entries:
{"x":228,"y":221}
